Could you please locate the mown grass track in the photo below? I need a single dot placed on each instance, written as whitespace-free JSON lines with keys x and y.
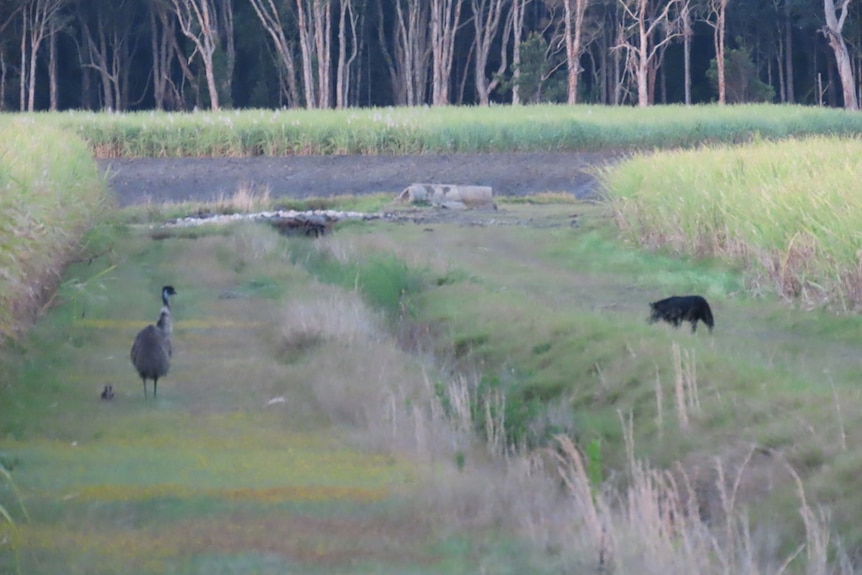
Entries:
{"x":207,"y":476}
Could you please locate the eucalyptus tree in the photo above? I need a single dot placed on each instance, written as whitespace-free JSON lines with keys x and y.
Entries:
{"x":687,"y":33}
{"x":784,"y":49}
{"x":649,"y":26}
{"x":488,"y":17}
{"x":405,"y":44}
{"x":351,"y":17}
{"x":38,"y":22}
{"x":717,"y":19}
{"x":8,"y":14}
{"x":107,"y":38}
{"x":166,"y":52}
{"x":314,"y":24}
{"x":225,"y":15}
{"x":836,"y":16}
{"x":519,"y":9}
{"x":574,"y":13}
{"x":445,"y":21}
{"x":275,"y":18}
{"x":198,"y":20}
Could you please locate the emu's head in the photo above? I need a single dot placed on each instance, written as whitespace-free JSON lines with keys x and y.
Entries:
{"x":168,"y":291}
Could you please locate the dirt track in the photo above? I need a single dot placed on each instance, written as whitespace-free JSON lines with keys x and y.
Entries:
{"x":137,"y":181}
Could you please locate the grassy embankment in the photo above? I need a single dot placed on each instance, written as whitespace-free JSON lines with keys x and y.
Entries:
{"x":790,"y":212}
{"x":50,"y":193}
{"x":545,"y":326}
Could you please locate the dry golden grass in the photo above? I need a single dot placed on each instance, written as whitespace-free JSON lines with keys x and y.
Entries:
{"x":246,"y":199}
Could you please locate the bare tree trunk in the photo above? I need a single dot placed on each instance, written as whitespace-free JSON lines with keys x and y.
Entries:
{"x":607,"y":60}
{"x":619,"y":66}
{"x":38,"y":24}
{"x":519,"y":8}
{"x":574,"y":26}
{"x":462,"y":85}
{"x":445,"y":21}
{"x":4,"y":66}
{"x":655,"y":66}
{"x":199,"y":23}
{"x":315,"y":28}
{"x":487,"y":15}
{"x":122,"y":57}
{"x":306,"y":50}
{"x":779,"y":53}
{"x":322,"y":41}
{"x":227,"y":32}
{"x":341,"y":75}
{"x":642,"y":55}
{"x":645,"y":47}
{"x":832,"y":30}
{"x":788,"y":53}
{"x":177,"y":92}
{"x":3,"y":72}
{"x":405,"y":46}
{"x":717,"y":19}
{"x":393,"y":62}
{"x":354,"y":72}
{"x":22,"y":85}
{"x":686,"y":35}
{"x":161,"y":65}
{"x":269,"y":16}
{"x":411,"y":55}
{"x":97,"y":56}
{"x":52,"y":65}
{"x":779,"y":67}
{"x":409,"y":66}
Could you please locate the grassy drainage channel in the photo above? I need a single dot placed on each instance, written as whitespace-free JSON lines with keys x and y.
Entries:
{"x":547,"y":328}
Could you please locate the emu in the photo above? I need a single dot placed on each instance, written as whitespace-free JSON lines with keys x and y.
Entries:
{"x":151,"y":351}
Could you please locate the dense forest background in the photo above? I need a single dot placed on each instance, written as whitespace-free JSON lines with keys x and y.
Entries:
{"x":187,"y":54}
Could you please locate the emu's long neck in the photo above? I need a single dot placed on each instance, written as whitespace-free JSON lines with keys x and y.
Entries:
{"x":165,"y":322}
{"x":166,"y":326}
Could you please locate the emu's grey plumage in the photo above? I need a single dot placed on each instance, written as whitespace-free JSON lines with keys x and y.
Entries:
{"x":151,"y":351}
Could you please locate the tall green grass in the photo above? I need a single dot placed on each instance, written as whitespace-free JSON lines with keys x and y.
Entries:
{"x":442,"y":130}
{"x":384,"y":281}
{"x":50,"y":192}
{"x":789,"y":211}
{"x":8,"y":525}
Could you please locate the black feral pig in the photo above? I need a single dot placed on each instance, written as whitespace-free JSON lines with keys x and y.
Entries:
{"x":678,"y":309}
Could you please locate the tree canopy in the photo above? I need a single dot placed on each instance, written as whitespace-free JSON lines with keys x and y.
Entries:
{"x":187,"y":54}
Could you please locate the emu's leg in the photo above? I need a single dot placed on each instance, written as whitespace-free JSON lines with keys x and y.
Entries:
{"x":144,"y":379}
{"x":693,"y":325}
{"x":155,"y":386}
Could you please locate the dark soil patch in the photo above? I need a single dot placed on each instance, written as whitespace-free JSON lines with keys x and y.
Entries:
{"x":141,"y":180}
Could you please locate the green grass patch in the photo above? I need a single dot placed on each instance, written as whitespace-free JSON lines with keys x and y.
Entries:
{"x":442,"y":129}
{"x":385,"y":281}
